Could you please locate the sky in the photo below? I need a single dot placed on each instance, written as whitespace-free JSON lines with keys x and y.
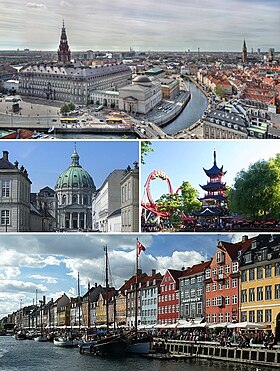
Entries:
{"x":46,"y":160}
{"x":50,"y":263}
{"x":185,"y":160}
{"x":212,"y":25}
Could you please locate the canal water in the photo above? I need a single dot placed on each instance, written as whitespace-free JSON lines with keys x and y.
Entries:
{"x":28,"y":355}
{"x":191,"y":113}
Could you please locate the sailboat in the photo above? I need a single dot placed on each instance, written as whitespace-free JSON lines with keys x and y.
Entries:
{"x":41,"y":337}
{"x":113,"y":345}
{"x":139,"y":342}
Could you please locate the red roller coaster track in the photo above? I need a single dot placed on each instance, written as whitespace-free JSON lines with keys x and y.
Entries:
{"x":150,"y":204}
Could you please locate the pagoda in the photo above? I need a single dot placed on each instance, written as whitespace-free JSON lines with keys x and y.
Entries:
{"x":214,"y":201}
{"x":64,"y":54}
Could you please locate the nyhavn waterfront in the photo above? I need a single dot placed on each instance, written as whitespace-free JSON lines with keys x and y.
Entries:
{"x":28,"y":355}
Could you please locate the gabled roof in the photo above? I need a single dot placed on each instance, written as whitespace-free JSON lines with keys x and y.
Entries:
{"x":195,"y":269}
{"x":233,"y":248}
{"x":140,"y":278}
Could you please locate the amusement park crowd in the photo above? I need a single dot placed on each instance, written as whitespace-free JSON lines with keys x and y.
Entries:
{"x":223,"y":338}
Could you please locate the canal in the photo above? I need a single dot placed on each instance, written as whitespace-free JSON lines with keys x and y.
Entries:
{"x":28,"y":355}
{"x":191,"y":113}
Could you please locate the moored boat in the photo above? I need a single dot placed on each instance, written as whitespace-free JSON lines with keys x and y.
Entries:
{"x":112,"y":345}
{"x":63,"y":342}
{"x":41,"y":338}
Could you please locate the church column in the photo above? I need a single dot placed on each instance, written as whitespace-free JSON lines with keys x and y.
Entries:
{"x":78,"y":220}
{"x":71,"y":221}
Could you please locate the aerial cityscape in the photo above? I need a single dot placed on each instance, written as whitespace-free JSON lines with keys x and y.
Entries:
{"x":212,"y":92}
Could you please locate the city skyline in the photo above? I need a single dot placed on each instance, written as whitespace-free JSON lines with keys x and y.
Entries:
{"x":233,"y":155}
{"x":208,"y":25}
{"x":49,"y":264}
{"x":46,"y":160}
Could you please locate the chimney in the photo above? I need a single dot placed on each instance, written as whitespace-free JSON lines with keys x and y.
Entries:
{"x":139,"y":271}
{"x":95,"y":285}
{"x":6,"y":155}
{"x":44,"y":299}
{"x":244,"y":238}
{"x":153,"y":272}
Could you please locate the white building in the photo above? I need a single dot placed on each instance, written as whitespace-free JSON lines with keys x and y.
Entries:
{"x":140,"y":97}
{"x":15,"y":188}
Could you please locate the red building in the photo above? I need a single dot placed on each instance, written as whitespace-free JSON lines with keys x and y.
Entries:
{"x":221,"y":283}
{"x":168,"y":302}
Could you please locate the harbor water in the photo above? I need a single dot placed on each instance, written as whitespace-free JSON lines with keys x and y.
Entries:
{"x":191,"y":113}
{"x":28,"y":355}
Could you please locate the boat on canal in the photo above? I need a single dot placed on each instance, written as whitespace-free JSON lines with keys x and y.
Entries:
{"x":65,"y":342}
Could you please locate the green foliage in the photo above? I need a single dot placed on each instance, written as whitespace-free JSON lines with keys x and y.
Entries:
{"x":176,"y":204}
{"x":145,"y":148}
{"x":256,"y":191}
{"x":220,"y":91}
{"x":66,"y":108}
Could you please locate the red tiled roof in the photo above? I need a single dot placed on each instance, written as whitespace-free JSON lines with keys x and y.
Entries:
{"x":197,"y":268}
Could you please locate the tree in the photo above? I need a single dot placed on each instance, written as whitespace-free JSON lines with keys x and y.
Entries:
{"x":183,"y":202}
{"x":66,"y":108}
{"x":256,"y":191}
{"x":220,"y":91}
{"x":145,"y":148}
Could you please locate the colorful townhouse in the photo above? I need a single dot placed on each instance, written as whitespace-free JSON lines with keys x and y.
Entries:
{"x":168,"y":300}
{"x":191,"y":287}
{"x":222,"y":282}
{"x":149,"y":299}
{"x":260,"y":282}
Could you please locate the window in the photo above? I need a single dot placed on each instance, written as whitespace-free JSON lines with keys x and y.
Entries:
{"x":220,"y":270}
{"x":227,"y":284}
{"x":192,"y":280}
{"x":277,"y":269}
{"x":259,"y":273}
{"x":267,"y":315}
{"x":243,"y":316}
{"x":207,"y":274}
{"x":268,"y":271}
{"x":220,"y":257}
{"x":235,"y":267}
{"x":208,"y":287}
{"x":277,"y":292}
{"x":251,"y":274}
{"x":214,"y":272}
{"x":234,"y":282}
{"x":244,"y":275}
{"x":214,"y":318}
{"x":5,"y":217}
{"x":251,"y":316}
{"x":227,"y":317}
{"x":214,"y":286}
{"x":227,"y":300}
{"x":208,"y":303}
{"x":227,"y":269}
{"x":259,"y":293}
{"x":251,"y":294}
{"x":234,"y":299}
{"x":220,"y":318}
{"x":220,"y":286}
{"x":199,"y":308}
{"x":268,"y":293}
{"x":243,"y":296}
{"x":259,"y":316}
{"x":199,"y":278}
{"x":5,"y":188}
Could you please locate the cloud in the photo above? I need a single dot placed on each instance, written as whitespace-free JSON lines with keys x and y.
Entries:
{"x":65,"y":3}
{"x":46,"y":279}
{"x":21,"y":286}
{"x":36,"y":5}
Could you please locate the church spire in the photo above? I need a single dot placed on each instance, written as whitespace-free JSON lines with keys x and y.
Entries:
{"x":64,"y":54}
{"x":244,"y":53}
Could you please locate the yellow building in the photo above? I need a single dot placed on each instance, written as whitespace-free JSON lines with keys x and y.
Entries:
{"x":260,"y":283}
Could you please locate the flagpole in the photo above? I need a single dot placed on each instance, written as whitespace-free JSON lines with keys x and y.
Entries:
{"x":136,"y":288}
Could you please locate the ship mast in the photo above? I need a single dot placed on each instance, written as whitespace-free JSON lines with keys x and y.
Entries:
{"x":106,"y":288}
{"x":136,"y":288}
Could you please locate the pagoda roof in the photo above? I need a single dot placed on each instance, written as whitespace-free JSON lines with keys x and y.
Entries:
{"x":214,"y":197}
{"x":210,"y":211}
{"x":212,"y":186}
{"x":214,"y":170}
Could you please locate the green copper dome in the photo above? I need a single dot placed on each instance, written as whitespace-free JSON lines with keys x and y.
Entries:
{"x":75,"y":176}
